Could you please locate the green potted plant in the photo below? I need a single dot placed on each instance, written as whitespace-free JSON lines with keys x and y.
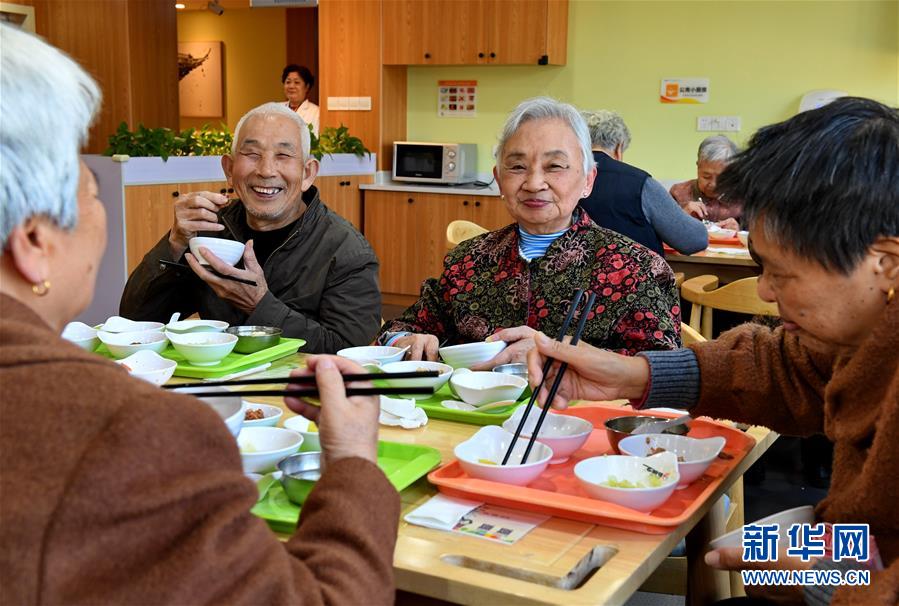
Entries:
{"x":340,"y":153}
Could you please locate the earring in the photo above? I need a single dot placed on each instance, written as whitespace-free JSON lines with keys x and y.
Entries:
{"x":41,"y":289}
{"x":890,"y":294}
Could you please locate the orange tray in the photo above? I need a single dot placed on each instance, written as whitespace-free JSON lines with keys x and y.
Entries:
{"x":557,"y":491}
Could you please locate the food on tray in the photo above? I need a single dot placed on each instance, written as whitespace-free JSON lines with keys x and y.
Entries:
{"x":253,"y":414}
{"x":613,"y":482}
{"x":486,"y":462}
{"x":725,"y":456}
{"x":657,"y":449}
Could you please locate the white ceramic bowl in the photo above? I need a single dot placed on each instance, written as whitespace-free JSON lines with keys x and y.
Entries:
{"x":261,"y":448}
{"x":123,"y":344}
{"x":591,"y":472}
{"x":230,"y":409}
{"x":118,"y":324}
{"x":490,"y":443}
{"x":82,"y":335}
{"x":373,"y":353}
{"x":270,"y":414}
{"x":411,"y":366}
{"x":186,"y":326}
{"x":229,"y":251}
{"x":744,"y":237}
{"x":564,"y":434}
{"x":299,"y":424}
{"x":482,"y":387}
{"x":784,"y":519}
{"x":149,"y":366}
{"x":203,"y":348}
{"x":468,"y":354}
{"x":697,"y":454}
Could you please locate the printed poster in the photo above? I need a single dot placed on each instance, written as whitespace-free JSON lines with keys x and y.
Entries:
{"x":457,"y":98}
{"x":684,"y":90}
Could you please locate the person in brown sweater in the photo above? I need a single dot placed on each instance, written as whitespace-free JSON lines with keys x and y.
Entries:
{"x":821,"y":193}
{"x":112,"y":490}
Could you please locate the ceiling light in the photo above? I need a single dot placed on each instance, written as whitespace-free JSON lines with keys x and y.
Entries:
{"x":179,"y":5}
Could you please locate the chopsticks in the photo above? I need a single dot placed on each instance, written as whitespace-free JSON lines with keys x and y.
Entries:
{"x":208,"y":268}
{"x":312,"y":392}
{"x":418,"y":374}
{"x":546,"y":368}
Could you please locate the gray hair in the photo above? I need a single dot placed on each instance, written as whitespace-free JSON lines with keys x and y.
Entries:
{"x":544,"y":108}
{"x":274,"y":109}
{"x":47,"y":105}
{"x":717,"y":148}
{"x":607,"y":129}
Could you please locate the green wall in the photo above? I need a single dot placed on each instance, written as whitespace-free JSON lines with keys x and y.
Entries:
{"x":760,"y":56}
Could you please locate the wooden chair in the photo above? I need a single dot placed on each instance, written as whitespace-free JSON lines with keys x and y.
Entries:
{"x":740,"y":296}
{"x":459,"y":231}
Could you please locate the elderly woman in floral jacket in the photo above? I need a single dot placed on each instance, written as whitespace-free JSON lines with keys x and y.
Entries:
{"x":509,"y":283}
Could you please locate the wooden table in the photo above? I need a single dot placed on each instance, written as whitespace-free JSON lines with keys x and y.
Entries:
{"x":728,"y":267}
{"x":548,"y":565}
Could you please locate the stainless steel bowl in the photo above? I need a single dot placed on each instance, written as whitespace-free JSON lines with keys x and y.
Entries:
{"x":519,"y":370}
{"x":621,"y":427}
{"x":299,"y":473}
{"x":254,"y":338}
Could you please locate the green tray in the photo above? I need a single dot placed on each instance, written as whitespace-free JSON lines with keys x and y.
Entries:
{"x":434,"y":410}
{"x":233,"y":362}
{"x":401,"y":463}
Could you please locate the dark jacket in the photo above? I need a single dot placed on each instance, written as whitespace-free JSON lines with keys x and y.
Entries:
{"x":323,"y":283}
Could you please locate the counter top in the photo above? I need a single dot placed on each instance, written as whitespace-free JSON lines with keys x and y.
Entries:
{"x":383,"y":182}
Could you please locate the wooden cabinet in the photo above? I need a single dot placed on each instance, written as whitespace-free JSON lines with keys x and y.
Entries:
{"x":473,"y":32}
{"x":408,"y":232}
{"x":341,"y":194}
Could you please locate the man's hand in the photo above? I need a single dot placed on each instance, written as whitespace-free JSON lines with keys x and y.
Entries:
{"x":348,"y":427}
{"x":593,"y":374}
{"x":520,"y":340}
{"x":194,"y":212}
{"x":729,"y":223}
{"x":421,"y":347}
{"x":696,"y":209}
{"x":242,"y":296}
{"x":731,"y":558}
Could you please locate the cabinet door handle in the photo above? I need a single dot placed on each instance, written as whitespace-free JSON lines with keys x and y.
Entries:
{"x":410,"y":200}
{"x":230,"y":190}
{"x":480,"y":55}
{"x":477,"y":203}
{"x":464,"y":202}
{"x":223,"y":191}
{"x":493,"y":55}
{"x":427,"y":55}
{"x":175,"y":194}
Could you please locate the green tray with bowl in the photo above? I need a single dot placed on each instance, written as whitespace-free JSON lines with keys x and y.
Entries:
{"x":403,"y":464}
{"x":435,"y":410}
{"x":233,"y":362}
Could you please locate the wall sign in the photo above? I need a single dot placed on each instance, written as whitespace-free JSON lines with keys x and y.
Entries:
{"x":684,"y":90}
{"x":457,"y":98}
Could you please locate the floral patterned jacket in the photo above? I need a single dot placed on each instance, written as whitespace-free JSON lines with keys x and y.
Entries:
{"x":486,"y":285}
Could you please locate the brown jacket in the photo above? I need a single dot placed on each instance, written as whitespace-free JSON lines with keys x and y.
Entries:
{"x":853,"y":400}
{"x":114,"y":491}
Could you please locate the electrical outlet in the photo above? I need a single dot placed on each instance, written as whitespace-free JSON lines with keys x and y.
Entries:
{"x":732,"y":124}
{"x":717,"y":123}
{"x":704,"y":123}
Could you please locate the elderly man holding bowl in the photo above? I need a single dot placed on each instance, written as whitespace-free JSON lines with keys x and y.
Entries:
{"x":507,"y":284}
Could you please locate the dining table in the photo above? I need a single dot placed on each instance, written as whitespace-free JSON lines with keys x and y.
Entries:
{"x":560,"y":561}
{"x":730,"y":262}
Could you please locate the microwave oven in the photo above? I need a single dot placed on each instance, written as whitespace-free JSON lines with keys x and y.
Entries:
{"x":451,"y":163}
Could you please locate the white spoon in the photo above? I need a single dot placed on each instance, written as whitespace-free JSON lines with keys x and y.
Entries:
{"x":175,"y":317}
{"x":660,"y":426}
{"x":119,"y":324}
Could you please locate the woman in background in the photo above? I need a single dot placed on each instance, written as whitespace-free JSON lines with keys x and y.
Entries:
{"x":700,"y":197}
{"x":298,"y":81}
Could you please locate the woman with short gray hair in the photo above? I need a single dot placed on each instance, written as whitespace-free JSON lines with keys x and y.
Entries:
{"x":699,"y":197}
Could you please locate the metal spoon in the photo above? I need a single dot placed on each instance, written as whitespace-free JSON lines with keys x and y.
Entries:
{"x":660,"y":426}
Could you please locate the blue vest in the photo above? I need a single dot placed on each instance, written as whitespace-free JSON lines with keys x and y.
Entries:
{"x":615,"y":202}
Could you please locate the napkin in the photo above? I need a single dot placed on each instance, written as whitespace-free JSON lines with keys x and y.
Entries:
{"x":401,"y":413}
{"x":728,"y":251}
{"x":441,"y":512}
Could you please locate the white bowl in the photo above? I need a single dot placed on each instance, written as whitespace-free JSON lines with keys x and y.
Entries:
{"x":784,"y":519}
{"x":229,"y":251}
{"x":373,"y":353}
{"x":563,"y":433}
{"x":270,"y":414}
{"x":411,"y":366}
{"x":203,"y":348}
{"x":123,"y":344}
{"x":697,"y":454}
{"x":469,"y":354}
{"x":744,"y":237}
{"x":300,"y":424}
{"x":230,"y":409}
{"x":149,"y":366}
{"x":490,"y":443}
{"x":118,"y":324}
{"x":261,"y":448}
{"x":483,"y":387}
{"x":186,"y":326}
{"x":82,"y":335}
{"x":591,"y":472}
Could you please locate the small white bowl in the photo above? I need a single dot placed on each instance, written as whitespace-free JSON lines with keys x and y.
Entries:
{"x":697,"y":454}
{"x":490,"y":443}
{"x":229,"y":251}
{"x":261,"y":448}
{"x":186,"y":326}
{"x":483,"y":387}
{"x":118,"y":324}
{"x":784,"y":519}
{"x":411,"y":366}
{"x":203,"y":348}
{"x":149,"y":366}
{"x":300,"y":424}
{"x":563,"y":433}
{"x":230,"y":408}
{"x":123,"y":344}
{"x":373,"y":353}
{"x":82,"y":335}
{"x":744,"y":237}
{"x":270,"y":414}
{"x":469,"y":354}
{"x":591,"y":472}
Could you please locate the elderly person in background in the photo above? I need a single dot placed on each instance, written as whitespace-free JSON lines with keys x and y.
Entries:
{"x":298,"y":81}
{"x":316,"y":276}
{"x":699,"y":197}
{"x":821,"y":194}
{"x":628,"y":200}
{"x":114,"y":491}
{"x":508,"y":283}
